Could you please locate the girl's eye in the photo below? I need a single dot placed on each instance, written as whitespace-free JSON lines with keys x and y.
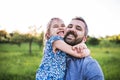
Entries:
{"x":55,"y":26}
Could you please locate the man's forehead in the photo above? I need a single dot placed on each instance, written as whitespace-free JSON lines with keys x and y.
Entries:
{"x":77,"y":22}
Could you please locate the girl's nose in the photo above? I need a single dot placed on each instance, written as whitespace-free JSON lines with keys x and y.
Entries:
{"x":61,"y":28}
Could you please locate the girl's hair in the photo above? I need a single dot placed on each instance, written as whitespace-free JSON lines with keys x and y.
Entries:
{"x":49,"y":26}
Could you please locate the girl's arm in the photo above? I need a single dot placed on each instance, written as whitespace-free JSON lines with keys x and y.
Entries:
{"x":59,"y":44}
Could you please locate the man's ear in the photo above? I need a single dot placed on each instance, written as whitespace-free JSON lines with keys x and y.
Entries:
{"x":84,"y":39}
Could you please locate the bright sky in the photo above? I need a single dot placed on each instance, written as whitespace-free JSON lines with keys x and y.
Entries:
{"x":102,"y":16}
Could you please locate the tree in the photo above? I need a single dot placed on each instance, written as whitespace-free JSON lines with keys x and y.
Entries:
{"x":40,"y":39}
{"x":29,"y":38}
{"x":32,"y":36}
{"x":93,"y":41}
{"x":16,"y":38}
{"x":114,"y":38}
{"x":3,"y":36}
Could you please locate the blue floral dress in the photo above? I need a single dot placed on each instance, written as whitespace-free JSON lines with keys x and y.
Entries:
{"x":53,"y":65}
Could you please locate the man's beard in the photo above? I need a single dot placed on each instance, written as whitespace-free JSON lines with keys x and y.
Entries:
{"x":75,"y":40}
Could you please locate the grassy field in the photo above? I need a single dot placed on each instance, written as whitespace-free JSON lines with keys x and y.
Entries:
{"x":109,"y":59}
{"x":17,"y":64}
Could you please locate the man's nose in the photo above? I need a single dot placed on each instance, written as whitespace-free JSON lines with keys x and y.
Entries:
{"x":72,"y":29}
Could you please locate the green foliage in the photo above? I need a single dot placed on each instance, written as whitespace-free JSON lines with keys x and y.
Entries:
{"x":93,"y":41}
{"x":18,"y":38}
{"x":3,"y":36}
{"x":107,"y":43}
{"x":40,"y":39}
{"x":3,"y":33}
{"x":114,"y":38}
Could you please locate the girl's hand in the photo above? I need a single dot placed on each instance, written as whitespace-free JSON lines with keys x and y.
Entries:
{"x":79,"y":47}
{"x":81,"y":50}
{"x":83,"y":53}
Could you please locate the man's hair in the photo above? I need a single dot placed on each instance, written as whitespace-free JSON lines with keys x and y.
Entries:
{"x":81,"y":19}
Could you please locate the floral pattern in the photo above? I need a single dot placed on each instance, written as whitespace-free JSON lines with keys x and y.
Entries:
{"x":53,"y":65}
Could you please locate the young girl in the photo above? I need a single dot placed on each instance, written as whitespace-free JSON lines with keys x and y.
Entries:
{"x":53,"y":65}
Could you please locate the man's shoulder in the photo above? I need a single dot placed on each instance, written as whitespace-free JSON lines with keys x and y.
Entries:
{"x":89,"y":59}
{"x":86,"y":61}
{"x":87,"y":66}
{"x":92,"y":66}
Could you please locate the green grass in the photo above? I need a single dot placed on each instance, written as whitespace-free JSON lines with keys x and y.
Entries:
{"x":17,"y":64}
{"x":109,"y":59}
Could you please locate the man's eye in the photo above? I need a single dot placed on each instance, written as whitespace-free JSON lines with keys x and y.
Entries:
{"x":79,"y":28}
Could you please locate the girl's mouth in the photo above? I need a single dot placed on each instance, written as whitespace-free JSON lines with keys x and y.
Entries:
{"x":61,"y":33}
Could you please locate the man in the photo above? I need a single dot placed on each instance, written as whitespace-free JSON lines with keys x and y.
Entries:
{"x":84,"y":68}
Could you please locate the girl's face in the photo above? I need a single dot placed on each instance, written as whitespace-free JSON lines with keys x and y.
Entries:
{"x":57,"y":28}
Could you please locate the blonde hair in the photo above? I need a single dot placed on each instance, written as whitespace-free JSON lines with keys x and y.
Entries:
{"x":49,"y":26}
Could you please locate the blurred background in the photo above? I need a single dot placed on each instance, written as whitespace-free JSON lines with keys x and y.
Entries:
{"x":22,"y":25}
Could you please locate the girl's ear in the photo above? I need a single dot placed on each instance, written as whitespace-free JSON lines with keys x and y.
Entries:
{"x":47,"y":35}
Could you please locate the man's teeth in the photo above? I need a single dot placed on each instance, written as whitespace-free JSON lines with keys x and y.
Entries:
{"x":70,"y":36}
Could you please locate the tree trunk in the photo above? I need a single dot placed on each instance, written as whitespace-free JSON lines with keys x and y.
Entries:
{"x":30,"y":46}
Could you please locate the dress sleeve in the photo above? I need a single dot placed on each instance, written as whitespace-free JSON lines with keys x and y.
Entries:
{"x":54,"y":38}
